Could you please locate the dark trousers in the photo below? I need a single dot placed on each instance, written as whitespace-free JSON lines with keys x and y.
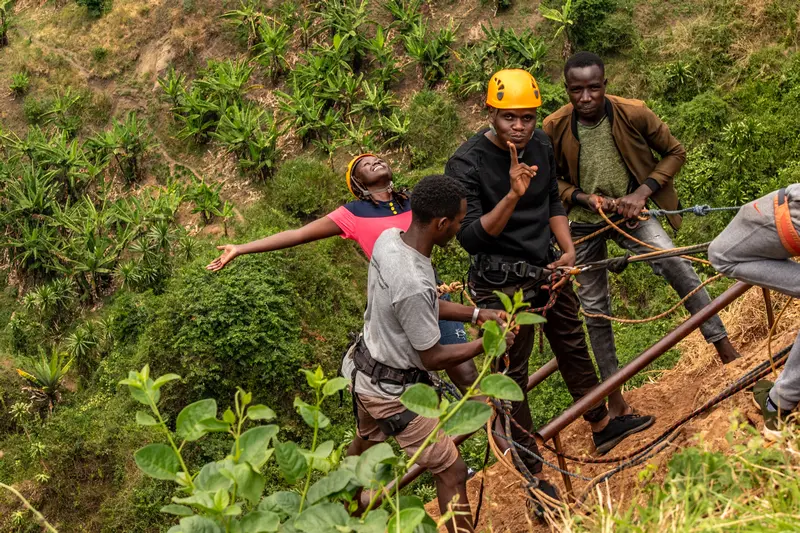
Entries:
{"x":564,"y":332}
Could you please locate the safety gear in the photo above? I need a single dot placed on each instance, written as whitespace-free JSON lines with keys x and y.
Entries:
{"x":784,"y":225}
{"x":513,"y":89}
{"x":349,"y":174}
{"x":482,"y":264}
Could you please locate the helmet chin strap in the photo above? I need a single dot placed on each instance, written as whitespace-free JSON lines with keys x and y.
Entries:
{"x":366,"y":192}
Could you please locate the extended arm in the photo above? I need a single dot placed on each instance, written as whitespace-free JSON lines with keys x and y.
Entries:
{"x":314,"y":231}
{"x":463,"y":313}
{"x":444,"y":356}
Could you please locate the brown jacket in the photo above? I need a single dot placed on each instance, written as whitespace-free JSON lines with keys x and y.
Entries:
{"x":637,"y":132}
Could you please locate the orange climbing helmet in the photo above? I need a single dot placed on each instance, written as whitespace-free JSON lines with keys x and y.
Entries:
{"x":513,"y":89}
{"x":348,"y":176}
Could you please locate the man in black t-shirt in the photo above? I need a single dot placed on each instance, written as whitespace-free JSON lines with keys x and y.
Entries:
{"x":513,"y":209}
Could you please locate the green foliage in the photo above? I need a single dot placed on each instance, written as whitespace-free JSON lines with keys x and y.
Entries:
{"x":64,"y":112}
{"x":127,"y":142}
{"x":45,"y":375}
{"x":95,"y":8}
{"x":305,"y":187}
{"x":499,"y":49}
{"x":252,"y":135}
{"x":206,"y":199}
{"x":99,"y":54}
{"x":237,"y":326}
{"x":19,"y":83}
{"x":431,"y":50}
{"x":271,"y":48}
{"x":6,"y":19}
{"x":434,"y":128}
{"x":601,"y":26}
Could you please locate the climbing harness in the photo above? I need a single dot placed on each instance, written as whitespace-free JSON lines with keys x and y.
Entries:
{"x":783,"y":224}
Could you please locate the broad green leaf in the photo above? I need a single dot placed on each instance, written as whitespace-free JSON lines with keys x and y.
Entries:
{"x":374,"y":523}
{"x":335,"y":385}
{"x":189,"y":424}
{"x":180,"y":510}
{"x":369,"y":462}
{"x":421,"y":399}
{"x":322,"y":518}
{"x":228,"y":416}
{"x":526,"y":319}
{"x":143,"y":419}
{"x":518,"y":296}
{"x":470,"y":417}
{"x":175,"y":529}
{"x":247,"y":397}
{"x":322,"y":451}
{"x":260,"y":412}
{"x":507,"y":305}
{"x":408,"y":520}
{"x":260,"y":522}
{"x":427,"y":525}
{"x":199,"y":524}
{"x":501,"y":387}
{"x":291,"y":462}
{"x":254,"y":445}
{"x":201,"y":499}
{"x":311,"y":414}
{"x":250,"y":484}
{"x":214,"y":477}
{"x":493,"y":342}
{"x":330,"y":484}
{"x":163,"y":380}
{"x":285,"y":503}
{"x":158,"y":461}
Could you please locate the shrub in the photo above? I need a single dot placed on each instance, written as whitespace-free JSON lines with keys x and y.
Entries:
{"x":95,"y":8}
{"x":19,"y":83}
{"x":306,"y":187}
{"x":700,"y":118}
{"x":35,"y":109}
{"x":602,"y":26}
{"x":435,"y":128}
{"x":99,"y":53}
{"x":234,"y":327}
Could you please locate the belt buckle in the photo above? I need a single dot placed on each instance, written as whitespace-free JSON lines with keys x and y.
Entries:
{"x":520,"y":268}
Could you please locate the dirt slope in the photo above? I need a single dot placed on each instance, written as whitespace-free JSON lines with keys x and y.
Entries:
{"x":697,"y":378}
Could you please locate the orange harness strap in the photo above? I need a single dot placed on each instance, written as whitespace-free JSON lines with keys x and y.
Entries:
{"x":783,"y":224}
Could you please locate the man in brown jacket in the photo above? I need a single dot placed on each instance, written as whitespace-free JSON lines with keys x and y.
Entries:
{"x":604,"y":148}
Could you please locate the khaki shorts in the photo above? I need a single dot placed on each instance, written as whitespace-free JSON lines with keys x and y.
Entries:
{"x":437,"y":457}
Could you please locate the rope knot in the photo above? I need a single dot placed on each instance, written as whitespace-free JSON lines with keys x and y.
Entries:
{"x":701,"y":210}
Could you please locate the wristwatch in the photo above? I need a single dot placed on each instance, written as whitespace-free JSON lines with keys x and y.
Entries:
{"x":475,"y":313}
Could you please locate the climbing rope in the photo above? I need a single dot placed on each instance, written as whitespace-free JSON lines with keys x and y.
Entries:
{"x":699,"y":210}
{"x":659,"y":316}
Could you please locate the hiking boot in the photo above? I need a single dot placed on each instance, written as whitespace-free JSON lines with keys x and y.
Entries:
{"x":773,"y":420}
{"x":617,"y":429}
{"x":537,"y":506}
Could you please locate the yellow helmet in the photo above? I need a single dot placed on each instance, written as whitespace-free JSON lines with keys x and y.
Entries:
{"x":349,"y":174}
{"x":513,"y":89}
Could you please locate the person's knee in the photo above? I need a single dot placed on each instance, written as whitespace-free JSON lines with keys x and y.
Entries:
{"x":716,"y":254}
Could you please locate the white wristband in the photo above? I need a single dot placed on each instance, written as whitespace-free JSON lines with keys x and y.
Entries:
{"x":475,"y":315}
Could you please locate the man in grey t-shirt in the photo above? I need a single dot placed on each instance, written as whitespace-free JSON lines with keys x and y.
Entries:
{"x":401,"y":332}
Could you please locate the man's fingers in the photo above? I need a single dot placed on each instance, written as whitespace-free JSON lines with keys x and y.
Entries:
{"x":513,"y":149}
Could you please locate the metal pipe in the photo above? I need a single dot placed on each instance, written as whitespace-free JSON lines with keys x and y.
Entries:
{"x":599,"y":393}
{"x":545,"y":371}
{"x":562,"y":464}
{"x":768,"y":303}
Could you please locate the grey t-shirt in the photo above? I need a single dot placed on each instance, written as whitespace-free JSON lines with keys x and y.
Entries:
{"x":402,"y":316}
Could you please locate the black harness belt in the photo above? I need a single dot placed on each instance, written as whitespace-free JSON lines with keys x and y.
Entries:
{"x":380,"y":373}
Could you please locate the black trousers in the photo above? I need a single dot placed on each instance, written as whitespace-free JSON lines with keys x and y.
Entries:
{"x":564,"y":331}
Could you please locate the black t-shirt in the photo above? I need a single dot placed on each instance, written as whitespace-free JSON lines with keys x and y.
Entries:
{"x":482,"y":167}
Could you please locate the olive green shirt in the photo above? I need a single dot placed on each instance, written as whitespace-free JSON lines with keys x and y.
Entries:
{"x":602,"y":170}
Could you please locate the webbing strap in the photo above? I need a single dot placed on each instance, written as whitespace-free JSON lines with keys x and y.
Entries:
{"x":784,"y":225}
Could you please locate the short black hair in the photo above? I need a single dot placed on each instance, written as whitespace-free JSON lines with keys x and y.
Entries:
{"x":582,"y":60}
{"x":436,"y":196}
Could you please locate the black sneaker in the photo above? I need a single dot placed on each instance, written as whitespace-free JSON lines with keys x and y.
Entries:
{"x":618,"y":428}
{"x":536,"y":506}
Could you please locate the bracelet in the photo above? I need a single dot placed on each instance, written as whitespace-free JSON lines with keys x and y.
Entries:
{"x":475,"y":313}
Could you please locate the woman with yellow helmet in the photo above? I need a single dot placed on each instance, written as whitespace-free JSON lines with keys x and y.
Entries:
{"x":378,"y":206}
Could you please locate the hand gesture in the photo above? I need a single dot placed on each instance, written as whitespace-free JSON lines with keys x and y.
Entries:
{"x":520,"y":173}
{"x":230,"y":252}
{"x":485,"y":315}
{"x":597,"y":201}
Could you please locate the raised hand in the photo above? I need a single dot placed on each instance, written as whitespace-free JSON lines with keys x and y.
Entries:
{"x":230,"y":252}
{"x":520,"y":173}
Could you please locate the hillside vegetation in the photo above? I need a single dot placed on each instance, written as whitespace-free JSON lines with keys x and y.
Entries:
{"x":136,"y":136}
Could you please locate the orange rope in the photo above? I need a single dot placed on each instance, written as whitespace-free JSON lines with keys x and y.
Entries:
{"x":646,"y":245}
{"x":657,"y":317}
{"x":450,"y":288}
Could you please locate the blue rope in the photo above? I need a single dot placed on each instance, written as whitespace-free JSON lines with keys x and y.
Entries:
{"x":699,"y":210}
